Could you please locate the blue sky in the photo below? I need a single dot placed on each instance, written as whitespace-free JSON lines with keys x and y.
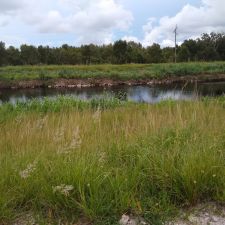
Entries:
{"x":76,"y":22}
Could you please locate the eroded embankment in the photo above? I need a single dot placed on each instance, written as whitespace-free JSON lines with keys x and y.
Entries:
{"x":104,"y":82}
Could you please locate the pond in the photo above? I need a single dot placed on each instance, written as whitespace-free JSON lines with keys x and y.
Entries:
{"x":149,"y":94}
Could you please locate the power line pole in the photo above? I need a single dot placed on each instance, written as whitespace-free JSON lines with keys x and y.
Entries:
{"x":175,"y":32}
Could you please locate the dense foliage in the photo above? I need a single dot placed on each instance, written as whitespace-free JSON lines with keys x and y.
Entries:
{"x":209,"y":47}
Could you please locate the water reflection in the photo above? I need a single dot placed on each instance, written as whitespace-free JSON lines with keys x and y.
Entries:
{"x":147,"y":94}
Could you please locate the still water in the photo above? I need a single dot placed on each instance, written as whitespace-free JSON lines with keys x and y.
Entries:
{"x":149,"y":94}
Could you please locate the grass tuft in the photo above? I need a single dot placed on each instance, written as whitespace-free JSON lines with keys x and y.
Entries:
{"x":97,"y":160}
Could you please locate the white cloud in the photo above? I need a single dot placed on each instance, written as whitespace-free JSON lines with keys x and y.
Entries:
{"x":149,"y":26}
{"x":12,"y":40}
{"x":98,"y":21}
{"x":131,"y":38}
{"x":91,"y":21}
{"x":167,"y":43}
{"x":53,"y":22}
{"x":10,"y":5}
{"x":3,"y":20}
{"x":8,"y":10}
{"x":192,"y":22}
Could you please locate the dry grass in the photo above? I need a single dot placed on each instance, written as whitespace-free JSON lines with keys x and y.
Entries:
{"x":99,"y":164}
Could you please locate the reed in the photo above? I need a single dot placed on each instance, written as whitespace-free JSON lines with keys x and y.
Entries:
{"x":100,"y":162}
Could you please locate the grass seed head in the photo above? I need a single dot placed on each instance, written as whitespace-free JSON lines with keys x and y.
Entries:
{"x":63,"y":189}
{"x":28,"y":171}
{"x":97,"y":115}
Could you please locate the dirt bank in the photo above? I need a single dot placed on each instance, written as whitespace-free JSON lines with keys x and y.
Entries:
{"x":203,"y":214}
{"x":104,"y":82}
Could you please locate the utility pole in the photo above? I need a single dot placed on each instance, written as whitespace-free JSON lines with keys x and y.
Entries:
{"x":175,"y":32}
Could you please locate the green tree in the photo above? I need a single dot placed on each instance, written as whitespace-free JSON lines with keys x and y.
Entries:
{"x":183,"y":54}
{"x":120,"y":49}
{"x":154,"y":54}
{"x":29,"y":54}
{"x":168,"y":55}
{"x":43,"y":54}
{"x":2,"y":53}
{"x":75,"y":56}
{"x":106,"y":52}
{"x":207,"y":47}
{"x":220,"y":46}
{"x":135,"y":52}
{"x":192,"y":48}
{"x":86,"y":54}
{"x":13,"y":56}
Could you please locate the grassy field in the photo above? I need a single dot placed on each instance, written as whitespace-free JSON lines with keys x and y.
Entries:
{"x":97,"y":160}
{"x":123,"y":72}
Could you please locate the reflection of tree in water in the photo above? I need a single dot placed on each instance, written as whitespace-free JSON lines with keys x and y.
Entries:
{"x":121,"y":95}
{"x":136,"y":93}
{"x":140,"y":94}
{"x":150,"y":94}
{"x":211,"y":89}
{"x":155,"y":92}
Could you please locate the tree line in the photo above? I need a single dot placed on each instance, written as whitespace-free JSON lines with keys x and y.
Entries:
{"x":209,"y":47}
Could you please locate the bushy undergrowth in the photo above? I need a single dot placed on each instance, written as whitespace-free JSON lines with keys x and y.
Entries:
{"x":131,"y":71}
{"x":100,"y":161}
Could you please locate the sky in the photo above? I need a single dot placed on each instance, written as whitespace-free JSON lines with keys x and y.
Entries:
{"x":76,"y":22}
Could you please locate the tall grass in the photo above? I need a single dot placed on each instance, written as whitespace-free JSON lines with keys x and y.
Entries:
{"x":100,"y":162}
{"x":124,"y":72}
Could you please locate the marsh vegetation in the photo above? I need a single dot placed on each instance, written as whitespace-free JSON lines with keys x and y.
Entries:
{"x":97,"y":160}
{"x":122,"y":72}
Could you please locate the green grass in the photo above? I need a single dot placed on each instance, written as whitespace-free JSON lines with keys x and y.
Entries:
{"x":124,"y":72}
{"x":119,"y":157}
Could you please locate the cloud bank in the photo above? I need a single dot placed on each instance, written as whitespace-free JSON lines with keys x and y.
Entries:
{"x":191,"y":21}
{"x":91,"y":21}
{"x":102,"y":21}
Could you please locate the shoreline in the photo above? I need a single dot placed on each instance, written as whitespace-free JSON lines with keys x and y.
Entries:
{"x":106,"y":82}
